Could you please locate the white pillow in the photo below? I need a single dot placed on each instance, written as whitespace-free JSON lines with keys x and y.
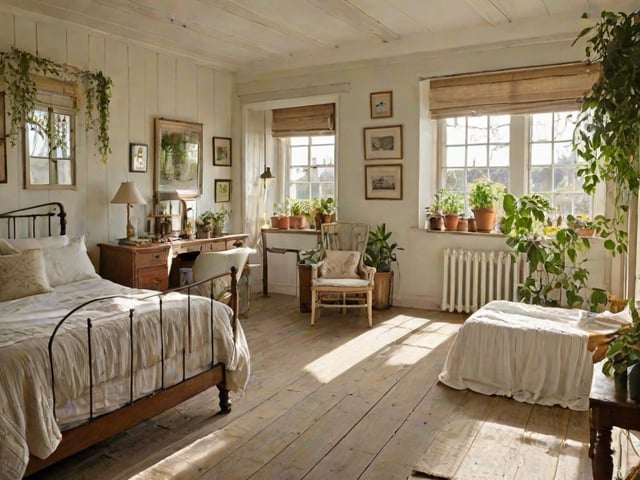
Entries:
{"x":340,"y":264}
{"x":40,"y":242}
{"x":69,"y":263}
{"x":22,"y":275}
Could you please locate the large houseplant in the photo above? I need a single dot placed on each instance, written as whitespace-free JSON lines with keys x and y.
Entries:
{"x":381,"y":253}
{"x":485,"y":198}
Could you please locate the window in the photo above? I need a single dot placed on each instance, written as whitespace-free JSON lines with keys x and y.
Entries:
{"x":50,"y":142}
{"x":537,"y":146}
{"x":311,"y":166}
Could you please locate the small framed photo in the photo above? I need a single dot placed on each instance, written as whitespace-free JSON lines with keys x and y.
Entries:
{"x":222,"y":151}
{"x":381,"y":104}
{"x":382,"y":143}
{"x":383,"y":182}
{"x":138,"y":157}
{"x":222,"y":191}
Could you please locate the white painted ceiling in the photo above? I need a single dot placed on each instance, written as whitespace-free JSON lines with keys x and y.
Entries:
{"x":259,"y":36}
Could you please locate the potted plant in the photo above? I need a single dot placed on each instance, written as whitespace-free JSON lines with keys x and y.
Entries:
{"x":557,"y":272}
{"x":306,"y":259}
{"x":381,"y":254}
{"x":623,"y":354}
{"x":211,"y":222}
{"x":485,"y":197}
{"x":434,"y":214}
{"x":452,"y":205}
{"x":281,"y":210}
{"x":300,"y":210}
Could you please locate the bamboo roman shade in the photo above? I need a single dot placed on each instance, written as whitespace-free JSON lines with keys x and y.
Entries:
{"x":306,"y":120}
{"x":526,"y":90}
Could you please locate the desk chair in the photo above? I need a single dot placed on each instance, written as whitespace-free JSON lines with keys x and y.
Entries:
{"x":341,"y":279}
{"x":210,"y":264}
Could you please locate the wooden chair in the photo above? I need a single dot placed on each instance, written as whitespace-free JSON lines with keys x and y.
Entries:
{"x":341,"y":279}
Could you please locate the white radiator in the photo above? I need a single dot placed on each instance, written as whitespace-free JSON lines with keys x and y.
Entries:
{"x":472,"y":278}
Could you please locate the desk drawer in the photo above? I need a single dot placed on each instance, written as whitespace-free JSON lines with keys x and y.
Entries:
{"x":154,"y":278}
{"x":151,"y":259}
{"x":214,"y":247}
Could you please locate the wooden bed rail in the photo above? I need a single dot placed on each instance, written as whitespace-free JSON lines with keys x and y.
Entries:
{"x":13,"y":216}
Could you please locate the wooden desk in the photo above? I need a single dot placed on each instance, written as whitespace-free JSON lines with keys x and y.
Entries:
{"x":266,"y":250}
{"x":156,"y":266}
{"x":607,"y":410}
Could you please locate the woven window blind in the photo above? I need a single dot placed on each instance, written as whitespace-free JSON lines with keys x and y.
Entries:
{"x":527,"y":90}
{"x":306,"y":120}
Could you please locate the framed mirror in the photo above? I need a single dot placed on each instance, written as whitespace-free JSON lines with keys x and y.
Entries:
{"x":178,"y":157}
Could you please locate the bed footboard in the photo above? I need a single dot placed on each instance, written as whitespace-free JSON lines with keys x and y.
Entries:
{"x":102,"y":426}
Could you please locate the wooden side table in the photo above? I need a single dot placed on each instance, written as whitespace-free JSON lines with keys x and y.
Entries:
{"x":607,"y":409}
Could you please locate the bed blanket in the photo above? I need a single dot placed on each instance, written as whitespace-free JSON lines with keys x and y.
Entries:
{"x":531,"y":353}
{"x":27,"y":423}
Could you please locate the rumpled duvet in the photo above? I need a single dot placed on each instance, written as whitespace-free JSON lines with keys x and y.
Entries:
{"x":531,"y":353}
{"x":27,"y":423}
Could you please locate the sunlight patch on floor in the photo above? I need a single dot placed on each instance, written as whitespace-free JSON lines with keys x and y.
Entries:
{"x":330,"y":365}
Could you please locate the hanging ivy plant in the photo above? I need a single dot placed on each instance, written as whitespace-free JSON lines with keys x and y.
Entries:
{"x":607,"y":133}
{"x":17,"y":68}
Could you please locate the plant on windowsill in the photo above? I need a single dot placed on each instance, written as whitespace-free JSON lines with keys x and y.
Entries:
{"x":557,"y":273}
{"x":301,"y":210}
{"x":381,"y":254}
{"x":435,"y":221}
{"x":452,"y":206}
{"x":485,"y":199}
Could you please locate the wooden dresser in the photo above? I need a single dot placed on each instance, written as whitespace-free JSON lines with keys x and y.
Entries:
{"x":156,"y":266}
{"x":137,"y":267}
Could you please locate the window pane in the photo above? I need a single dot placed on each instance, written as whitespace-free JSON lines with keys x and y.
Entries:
{"x":499,"y":155}
{"x":37,"y":131}
{"x":500,"y":128}
{"x":564,"y":179}
{"x":477,"y":130}
{"x":39,"y":171}
{"x":64,"y":172}
{"x":322,"y":155}
{"x":477,"y":156}
{"x":564,"y":153}
{"x":564,"y":123}
{"x":299,"y":156}
{"x":541,"y":154}
{"x":541,"y":125}
{"x":540,"y":180}
{"x":474,"y":174}
{"x":456,"y":156}
{"x":325,"y":174}
{"x":456,"y":131}
{"x":298,"y":174}
{"x":322,"y":140}
{"x":500,"y":175}
{"x":299,"y":140}
{"x":455,"y":178}
{"x":62,"y":135}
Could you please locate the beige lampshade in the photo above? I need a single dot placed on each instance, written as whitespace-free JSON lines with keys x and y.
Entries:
{"x":128,"y":193}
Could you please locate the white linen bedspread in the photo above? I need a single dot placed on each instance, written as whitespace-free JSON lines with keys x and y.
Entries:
{"x":531,"y":353}
{"x":27,"y":424}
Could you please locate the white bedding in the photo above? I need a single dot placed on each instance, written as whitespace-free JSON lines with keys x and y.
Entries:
{"x":531,"y":353}
{"x":27,"y":424}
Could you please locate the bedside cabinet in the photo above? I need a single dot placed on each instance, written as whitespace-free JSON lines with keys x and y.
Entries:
{"x":137,"y":267}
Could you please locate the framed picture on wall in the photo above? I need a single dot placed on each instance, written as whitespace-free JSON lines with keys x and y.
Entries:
{"x":383,"y":143}
{"x":222,"y":191}
{"x":383,"y":182}
{"x":138,"y":157}
{"x":178,"y":157}
{"x":222,"y":151}
{"x":381,"y":104}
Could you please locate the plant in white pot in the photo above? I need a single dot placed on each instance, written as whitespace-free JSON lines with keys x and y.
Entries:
{"x":452,"y":206}
{"x":485,"y":198}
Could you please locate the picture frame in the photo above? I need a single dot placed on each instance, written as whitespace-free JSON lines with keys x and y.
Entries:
{"x":222,"y":190}
{"x":222,"y":151}
{"x":178,"y":157}
{"x":383,"y":182}
{"x":138,"y":157}
{"x":383,"y":143}
{"x":3,"y":143}
{"x":381,"y":104}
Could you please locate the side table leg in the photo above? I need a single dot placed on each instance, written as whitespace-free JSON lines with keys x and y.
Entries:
{"x":602,"y":463}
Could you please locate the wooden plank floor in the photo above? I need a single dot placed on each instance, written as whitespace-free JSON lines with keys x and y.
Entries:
{"x":342,"y":401}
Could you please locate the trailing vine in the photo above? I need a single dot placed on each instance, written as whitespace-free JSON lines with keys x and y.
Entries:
{"x":18,"y":68}
{"x":607,"y":134}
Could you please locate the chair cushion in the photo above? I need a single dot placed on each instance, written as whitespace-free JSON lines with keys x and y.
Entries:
{"x":340,"y":264}
{"x":339,"y":282}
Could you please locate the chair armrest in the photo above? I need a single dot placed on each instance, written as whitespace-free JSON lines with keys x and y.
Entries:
{"x":315,"y":269}
{"x":369,"y":272}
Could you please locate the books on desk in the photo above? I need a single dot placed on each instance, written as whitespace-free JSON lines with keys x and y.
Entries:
{"x":135,"y":242}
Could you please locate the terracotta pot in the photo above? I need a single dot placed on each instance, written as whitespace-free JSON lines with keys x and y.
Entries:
{"x":274,"y":222}
{"x":451,"y":221}
{"x":463,"y":225}
{"x":298,"y":222}
{"x":471,"y":225}
{"x":327,"y":218}
{"x":283,"y":223}
{"x":485,"y":219}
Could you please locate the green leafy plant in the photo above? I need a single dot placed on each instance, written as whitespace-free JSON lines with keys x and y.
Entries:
{"x":381,"y":252}
{"x":435,"y":208}
{"x":326,"y":206}
{"x":211,"y":218}
{"x":301,"y":207}
{"x":557,"y":269}
{"x":624,"y":350}
{"x":607,"y":133}
{"x":451,"y":201}
{"x":311,"y":255}
{"x":17,"y":69}
{"x":485,"y":193}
